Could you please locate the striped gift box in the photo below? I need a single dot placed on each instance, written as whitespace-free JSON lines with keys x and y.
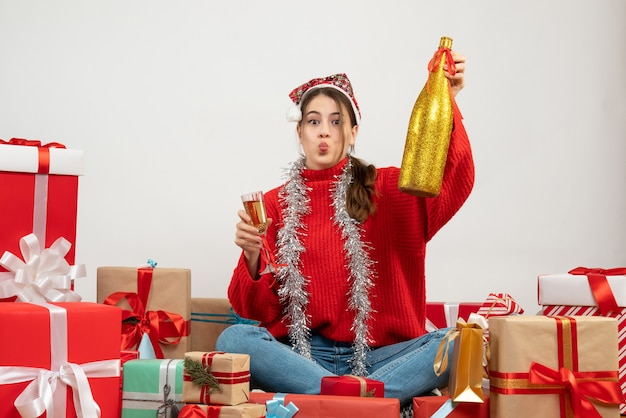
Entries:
{"x":589,"y":292}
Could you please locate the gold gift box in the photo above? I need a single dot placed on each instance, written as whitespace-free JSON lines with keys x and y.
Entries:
{"x":586,"y":346}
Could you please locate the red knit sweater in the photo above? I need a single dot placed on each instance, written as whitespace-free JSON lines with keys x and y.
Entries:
{"x":397,"y":232}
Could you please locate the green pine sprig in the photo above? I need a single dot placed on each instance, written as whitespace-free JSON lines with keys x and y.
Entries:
{"x":200,"y":375}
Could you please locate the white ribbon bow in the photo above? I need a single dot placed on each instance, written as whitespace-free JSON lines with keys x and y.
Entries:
{"x":37,"y":398}
{"x":42,"y":276}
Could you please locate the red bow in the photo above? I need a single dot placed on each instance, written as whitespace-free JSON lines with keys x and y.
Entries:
{"x":599,"y":285}
{"x":162,"y":327}
{"x":194,"y":411}
{"x":579,"y":386}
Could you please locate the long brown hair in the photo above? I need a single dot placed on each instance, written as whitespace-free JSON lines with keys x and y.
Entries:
{"x":359,"y":198}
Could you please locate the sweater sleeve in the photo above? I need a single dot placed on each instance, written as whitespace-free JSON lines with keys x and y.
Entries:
{"x":257,"y":299}
{"x":458,"y":180}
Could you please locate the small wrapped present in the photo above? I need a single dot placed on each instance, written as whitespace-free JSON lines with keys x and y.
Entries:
{"x":446,"y":314}
{"x":441,"y":315}
{"x":244,"y":410}
{"x":546,"y":367}
{"x":499,"y":304}
{"x":350,"y":385}
{"x":589,"y":292}
{"x":209,"y":317}
{"x":62,"y":359}
{"x":327,"y":406}
{"x":39,"y":191}
{"x":152,"y":387}
{"x":157,"y":297}
{"x":443,"y":406}
{"x":216,"y":378}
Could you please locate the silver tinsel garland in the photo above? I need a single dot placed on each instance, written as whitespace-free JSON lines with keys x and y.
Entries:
{"x":293,"y":294}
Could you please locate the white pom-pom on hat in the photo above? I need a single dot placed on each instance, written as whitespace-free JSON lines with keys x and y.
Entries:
{"x":294,"y":114}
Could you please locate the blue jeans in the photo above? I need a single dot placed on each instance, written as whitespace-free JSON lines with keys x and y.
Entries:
{"x":405,"y":368}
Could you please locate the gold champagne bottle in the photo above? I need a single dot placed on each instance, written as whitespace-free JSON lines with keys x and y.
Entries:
{"x":428,"y":135}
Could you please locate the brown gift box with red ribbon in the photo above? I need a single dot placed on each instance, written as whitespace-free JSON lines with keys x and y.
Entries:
{"x":349,"y":385}
{"x":244,"y":410}
{"x":589,"y":292}
{"x":550,"y":367}
{"x":156,"y":301}
{"x":39,"y":193}
{"x":231,"y":372}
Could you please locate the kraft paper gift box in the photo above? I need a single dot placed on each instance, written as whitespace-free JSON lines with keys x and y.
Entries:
{"x":443,"y":406}
{"x":244,"y":410}
{"x":74,"y":346}
{"x":209,"y":317}
{"x":547,"y":367}
{"x":229,"y":372}
{"x":589,"y":292}
{"x":152,"y":387}
{"x":39,"y":194}
{"x":328,"y":406}
{"x":161,"y":297}
{"x":349,"y":385}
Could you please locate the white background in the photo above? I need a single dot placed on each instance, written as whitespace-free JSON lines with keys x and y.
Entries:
{"x":180,"y":106}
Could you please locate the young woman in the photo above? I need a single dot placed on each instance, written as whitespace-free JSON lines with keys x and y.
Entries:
{"x":348,"y":295}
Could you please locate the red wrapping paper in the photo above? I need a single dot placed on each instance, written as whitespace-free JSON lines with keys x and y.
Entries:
{"x":18,"y":193}
{"x":445,"y":314}
{"x":352,"y":386}
{"x":330,"y":406}
{"x":426,"y":406}
{"x":93,"y":332}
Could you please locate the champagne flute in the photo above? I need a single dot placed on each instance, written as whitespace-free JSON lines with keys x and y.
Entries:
{"x":255,"y":208}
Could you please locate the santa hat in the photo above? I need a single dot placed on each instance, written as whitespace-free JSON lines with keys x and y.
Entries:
{"x":337,"y":81}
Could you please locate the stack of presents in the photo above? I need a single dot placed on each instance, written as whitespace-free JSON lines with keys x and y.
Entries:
{"x":146,"y":348}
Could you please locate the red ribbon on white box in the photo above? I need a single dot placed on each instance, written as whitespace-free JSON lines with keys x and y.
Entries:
{"x":42,"y":276}
{"x":47,"y":389}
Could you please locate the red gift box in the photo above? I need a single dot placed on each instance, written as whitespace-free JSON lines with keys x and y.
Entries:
{"x":74,"y":346}
{"x":330,"y":406}
{"x":349,"y":385}
{"x":39,"y":191}
{"x":445,"y":314}
{"x":428,"y":406}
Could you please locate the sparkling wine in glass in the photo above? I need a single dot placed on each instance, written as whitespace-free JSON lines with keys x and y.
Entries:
{"x":255,"y":208}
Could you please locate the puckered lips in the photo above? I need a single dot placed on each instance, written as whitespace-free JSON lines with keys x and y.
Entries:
{"x":323,"y":147}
